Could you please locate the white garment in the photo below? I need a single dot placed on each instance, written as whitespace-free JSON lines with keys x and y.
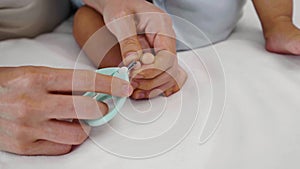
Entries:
{"x":215,"y":18}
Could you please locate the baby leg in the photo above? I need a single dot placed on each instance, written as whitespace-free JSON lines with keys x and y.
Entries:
{"x":97,"y":41}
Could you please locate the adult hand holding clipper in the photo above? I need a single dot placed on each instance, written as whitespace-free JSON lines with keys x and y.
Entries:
{"x":38,"y":113}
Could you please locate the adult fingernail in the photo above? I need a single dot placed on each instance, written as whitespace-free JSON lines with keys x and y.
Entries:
{"x":127,"y":90}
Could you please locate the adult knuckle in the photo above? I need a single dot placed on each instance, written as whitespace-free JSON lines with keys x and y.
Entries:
{"x":65,"y":149}
{"x":31,"y":76}
{"x":79,"y":136}
{"x":27,"y":78}
{"x":23,"y":111}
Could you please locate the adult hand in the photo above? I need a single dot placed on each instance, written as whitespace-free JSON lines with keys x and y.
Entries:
{"x":38,"y":114}
{"x":139,"y":25}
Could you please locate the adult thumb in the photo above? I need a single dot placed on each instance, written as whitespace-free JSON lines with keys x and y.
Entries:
{"x":124,"y":29}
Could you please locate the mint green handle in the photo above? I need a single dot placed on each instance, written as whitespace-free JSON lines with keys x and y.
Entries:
{"x":119,"y":101}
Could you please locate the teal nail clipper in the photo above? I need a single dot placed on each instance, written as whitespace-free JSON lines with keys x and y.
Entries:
{"x":118,"y":102}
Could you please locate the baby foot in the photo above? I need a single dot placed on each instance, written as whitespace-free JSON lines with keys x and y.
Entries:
{"x":283,"y":39}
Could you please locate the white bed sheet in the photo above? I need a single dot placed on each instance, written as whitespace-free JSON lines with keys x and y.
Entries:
{"x":260,"y":126}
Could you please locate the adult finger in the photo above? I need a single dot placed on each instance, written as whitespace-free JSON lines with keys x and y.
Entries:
{"x":43,"y":147}
{"x":159,"y":30}
{"x":55,"y":106}
{"x":39,"y":147}
{"x":144,"y":44}
{"x":72,"y":107}
{"x":63,"y":132}
{"x":162,"y":42}
{"x":123,"y":26}
{"x":84,"y":80}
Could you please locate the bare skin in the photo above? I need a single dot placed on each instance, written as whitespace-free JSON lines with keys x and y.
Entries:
{"x":164,"y":76}
{"x":39,"y":114}
{"x":37,"y":110}
{"x":276,"y":17}
{"x":86,"y":22}
{"x":281,"y":35}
